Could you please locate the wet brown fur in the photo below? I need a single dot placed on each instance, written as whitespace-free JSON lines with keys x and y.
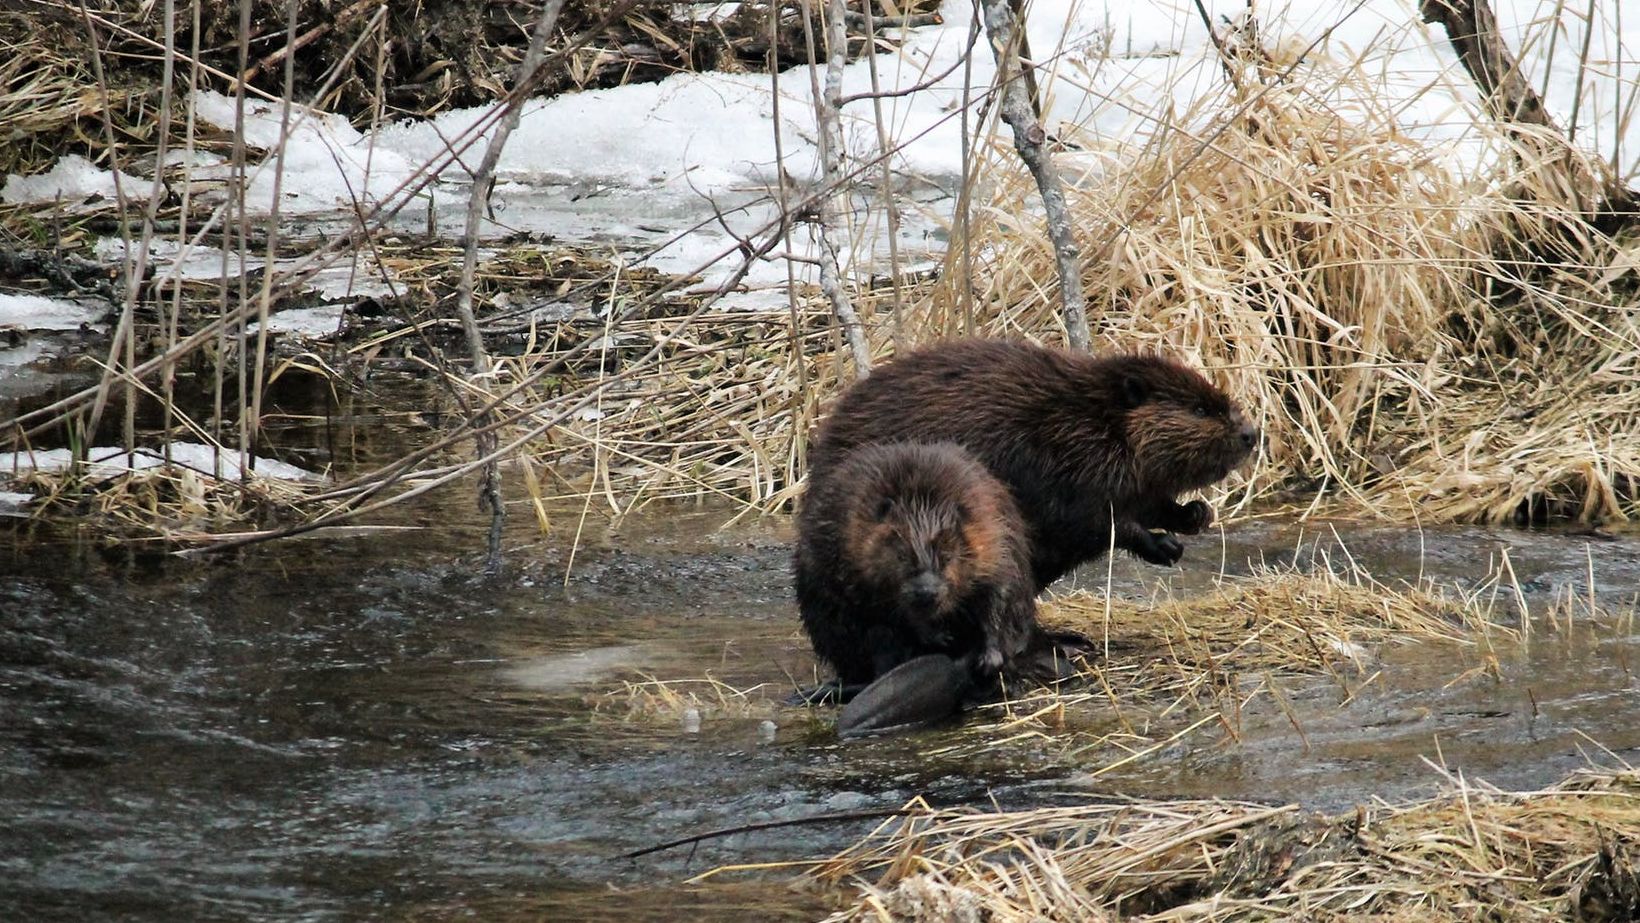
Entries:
{"x":1086,"y":445}
{"x":893,"y":515}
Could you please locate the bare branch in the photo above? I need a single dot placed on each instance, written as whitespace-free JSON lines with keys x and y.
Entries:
{"x":1029,"y":136}
{"x":489,"y":491}
{"x":828,"y":107}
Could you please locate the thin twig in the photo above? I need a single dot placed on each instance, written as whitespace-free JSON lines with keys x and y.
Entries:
{"x":837,"y":817}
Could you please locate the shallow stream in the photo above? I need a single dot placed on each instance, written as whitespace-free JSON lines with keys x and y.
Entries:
{"x":352,"y":728}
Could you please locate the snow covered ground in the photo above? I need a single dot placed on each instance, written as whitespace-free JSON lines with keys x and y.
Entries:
{"x":32,"y":327}
{"x":106,"y":461}
{"x":37,"y":312}
{"x":637,"y":166}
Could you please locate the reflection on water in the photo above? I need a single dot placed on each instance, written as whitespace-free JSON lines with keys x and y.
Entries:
{"x":326,"y":730}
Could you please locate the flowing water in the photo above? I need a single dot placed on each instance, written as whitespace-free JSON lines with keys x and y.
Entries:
{"x":366,"y":728}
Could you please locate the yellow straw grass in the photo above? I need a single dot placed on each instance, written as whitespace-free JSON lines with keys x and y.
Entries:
{"x":1571,"y":851}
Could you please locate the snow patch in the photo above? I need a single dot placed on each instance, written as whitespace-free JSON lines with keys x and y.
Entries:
{"x":317,"y":321}
{"x":13,"y":359}
{"x":1349,"y":649}
{"x":177,"y":157}
{"x":37,"y":312}
{"x":645,"y":161}
{"x":12,"y":502}
{"x":108,"y":461}
{"x":72,"y":179}
{"x":346,"y":278}
{"x":326,"y":163}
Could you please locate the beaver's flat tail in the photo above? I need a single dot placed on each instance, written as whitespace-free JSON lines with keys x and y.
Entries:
{"x":922,"y":691}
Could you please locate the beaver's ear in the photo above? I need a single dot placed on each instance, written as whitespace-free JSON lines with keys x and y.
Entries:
{"x":1132,"y":390}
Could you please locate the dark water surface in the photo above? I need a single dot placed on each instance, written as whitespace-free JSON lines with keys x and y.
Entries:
{"x":365,"y":728}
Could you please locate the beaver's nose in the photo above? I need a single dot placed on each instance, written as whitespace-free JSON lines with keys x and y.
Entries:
{"x":923,"y":590}
{"x":1249,"y":436}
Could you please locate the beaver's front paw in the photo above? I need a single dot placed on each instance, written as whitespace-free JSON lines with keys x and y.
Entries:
{"x":1194,"y":517}
{"x":1158,"y":548}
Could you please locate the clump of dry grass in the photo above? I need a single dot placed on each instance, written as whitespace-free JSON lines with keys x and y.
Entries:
{"x":1172,"y":668}
{"x":1415,"y":336}
{"x":173,"y":501}
{"x":1567,"y":852}
{"x":721,"y":414}
{"x":46,"y":91}
{"x":704,"y":699}
{"x":1314,"y":621}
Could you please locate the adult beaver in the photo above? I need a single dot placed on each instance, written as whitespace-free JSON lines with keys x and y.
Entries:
{"x":912,"y":549}
{"x":1081,"y":442}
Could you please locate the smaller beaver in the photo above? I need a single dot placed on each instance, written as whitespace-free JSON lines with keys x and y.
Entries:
{"x":910,"y":549}
{"x":1091,"y":448}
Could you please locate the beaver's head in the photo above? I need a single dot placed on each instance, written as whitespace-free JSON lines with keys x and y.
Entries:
{"x":926,"y":527}
{"x":1182,"y":432}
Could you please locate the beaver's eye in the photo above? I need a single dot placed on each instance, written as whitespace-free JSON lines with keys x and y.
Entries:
{"x":884,"y":507}
{"x":1201,"y":410}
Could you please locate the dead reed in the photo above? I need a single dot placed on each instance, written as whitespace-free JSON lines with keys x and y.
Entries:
{"x":1419,"y":334}
{"x":180,"y":501}
{"x":1570,"y":851}
{"x":1172,"y":669}
{"x":692,"y":700}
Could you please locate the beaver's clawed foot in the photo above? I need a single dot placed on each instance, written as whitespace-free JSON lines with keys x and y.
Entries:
{"x":1160,"y":548}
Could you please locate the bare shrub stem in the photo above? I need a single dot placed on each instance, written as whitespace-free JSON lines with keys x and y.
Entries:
{"x":795,"y":464}
{"x":264,"y":301}
{"x":124,"y":336}
{"x":489,"y":491}
{"x":1018,"y":112}
{"x":828,"y":110}
{"x":886,"y":179}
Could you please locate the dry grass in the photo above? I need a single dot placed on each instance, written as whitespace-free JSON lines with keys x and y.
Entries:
{"x":48,"y":92}
{"x":1415,"y":340}
{"x":1474,"y":853}
{"x":1418,"y":335}
{"x":175,"y":501}
{"x":1191,"y":668}
{"x":1313,"y":621}
{"x":686,"y":701}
